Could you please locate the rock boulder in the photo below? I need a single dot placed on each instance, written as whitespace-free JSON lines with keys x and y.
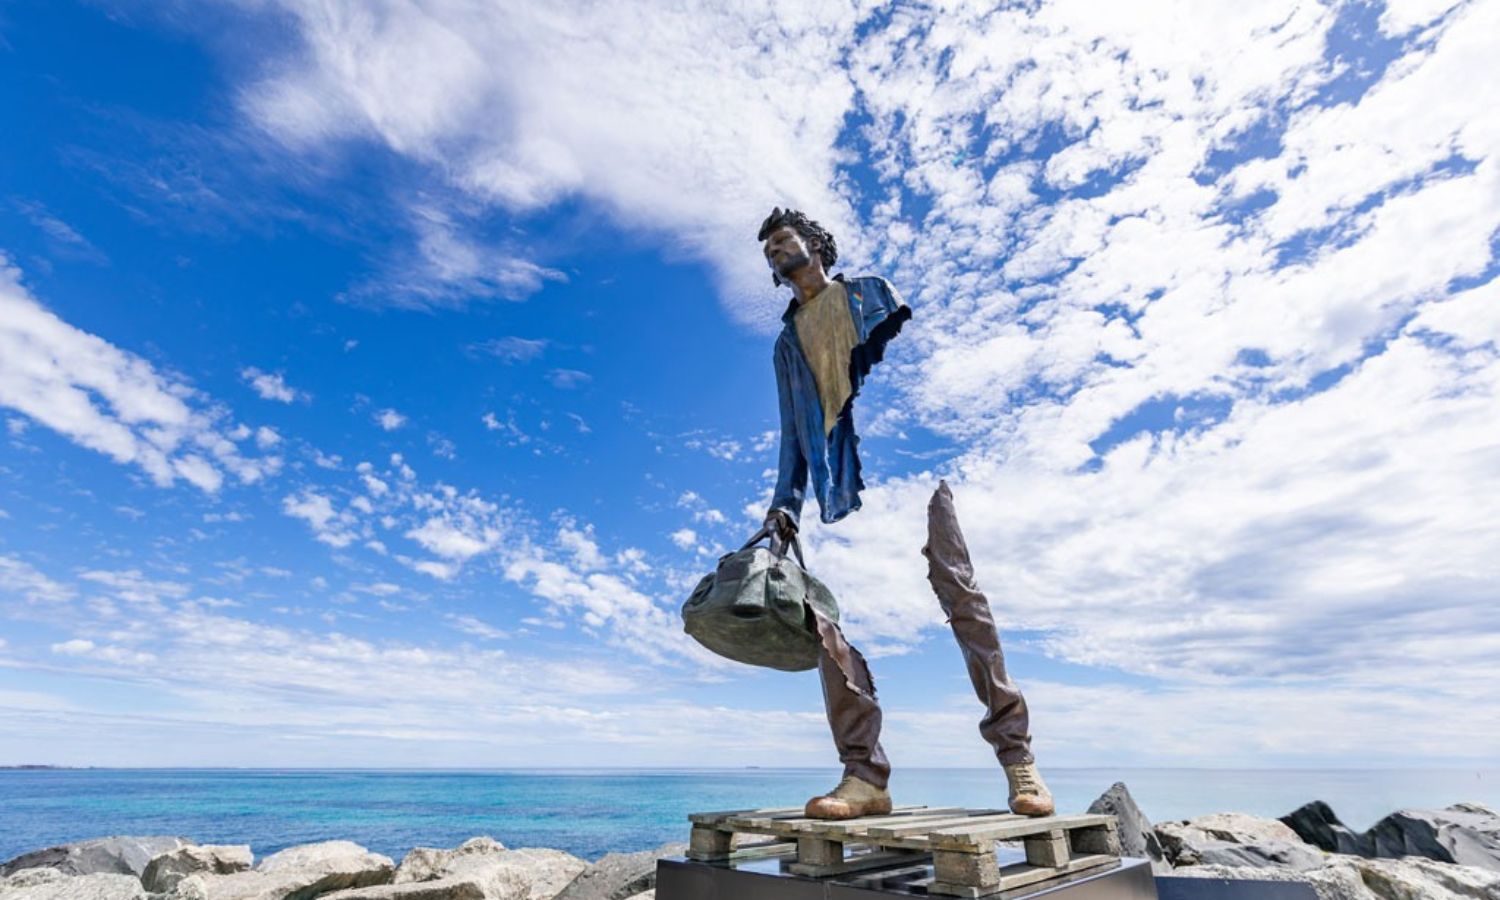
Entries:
{"x":1466,"y":834}
{"x":1345,"y":877}
{"x":1235,"y":839}
{"x":106,"y":886}
{"x":620,"y":876}
{"x":430,"y":863}
{"x":1137,"y":838}
{"x":296,"y":873}
{"x":165,"y":870}
{"x":29,"y":878}
{"x":500,"y":874}
{"x":109,"y":856}
{"x":438,"y":889}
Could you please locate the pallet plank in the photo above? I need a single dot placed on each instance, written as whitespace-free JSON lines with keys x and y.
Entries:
{"x":853,"y":827}
{"x":976,"y":817}
{"x":794,"y":820}
{"x":1019,"y":875}
{"x":960,"y":837}
{"x":713,"y":818}
{"x":860,"y":863}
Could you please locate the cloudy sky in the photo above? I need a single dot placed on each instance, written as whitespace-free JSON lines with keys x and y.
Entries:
{"x":377,"y":376}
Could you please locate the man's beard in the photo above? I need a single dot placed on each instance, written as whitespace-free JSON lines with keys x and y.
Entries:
{"x":790,"y":265}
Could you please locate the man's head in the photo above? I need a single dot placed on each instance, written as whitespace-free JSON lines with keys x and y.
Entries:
{"x":792,"y":241}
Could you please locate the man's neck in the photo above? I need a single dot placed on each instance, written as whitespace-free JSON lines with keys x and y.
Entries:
{"x":809,"y":283}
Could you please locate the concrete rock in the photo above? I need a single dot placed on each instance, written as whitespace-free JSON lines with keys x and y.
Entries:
{"x":619,"y":876}
{"x":438,"y":889}
{"x":501,"y":874}
{"x":1137,"y":838}
{"x":1316,"y":824}
{"x":1238,"y":828}
{"x":1262,"y":854}
{"x":165,"y":870}
{"x":110,"y":855}
{"x":29,"y":877}
{"x":296,"y":873}
{"x":1355,"y":878}
{"x":104,"y":886}
{"x":1465,"y":833}
{"x":1235,"y":839}
{"x":429,"y":863}
{"x":327,"y":856}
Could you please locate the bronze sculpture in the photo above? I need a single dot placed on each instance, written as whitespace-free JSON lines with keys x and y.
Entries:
{"x":834,"y":331}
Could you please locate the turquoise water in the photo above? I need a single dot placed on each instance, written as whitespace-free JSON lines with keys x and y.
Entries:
{"x":591,"y":812}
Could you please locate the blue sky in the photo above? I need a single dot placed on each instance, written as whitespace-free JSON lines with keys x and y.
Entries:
{"x":377,"y":378}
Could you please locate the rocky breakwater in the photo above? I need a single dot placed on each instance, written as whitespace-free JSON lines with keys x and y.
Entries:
{"x":174,"y":868}
{"x":1447,"y":854}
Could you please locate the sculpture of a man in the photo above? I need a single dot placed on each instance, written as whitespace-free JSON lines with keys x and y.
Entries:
{"x":834,"y":331}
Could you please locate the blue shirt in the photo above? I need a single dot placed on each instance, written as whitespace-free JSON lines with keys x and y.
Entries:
{"x":832,"y":464}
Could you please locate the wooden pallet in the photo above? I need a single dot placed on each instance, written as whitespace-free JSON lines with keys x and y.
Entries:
{"x":959,"y":843}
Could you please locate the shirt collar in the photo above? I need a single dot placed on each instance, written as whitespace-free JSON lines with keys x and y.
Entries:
{"x":791,"y":308}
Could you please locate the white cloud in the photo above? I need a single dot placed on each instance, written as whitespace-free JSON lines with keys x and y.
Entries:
{"x":455,"y":540}
{"x":336,"y":529}
{"x":580,"y":543}
{"x":271,"y":386}
{"x":568,"y":379}
{"x":471,"y":625}
{"x":685,"y":538}
{"x":525,"y":106}
{"x":20,"y":578}
{"x":109,"y":400}
{"x":448,"y":269}
{"x":389,"y":419}
{"x":511,"y":349}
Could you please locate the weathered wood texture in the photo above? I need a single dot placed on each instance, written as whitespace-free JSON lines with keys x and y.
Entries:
{"x":959,"y":842}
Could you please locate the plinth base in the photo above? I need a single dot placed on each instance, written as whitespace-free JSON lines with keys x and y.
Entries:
{"x":678,"y":878}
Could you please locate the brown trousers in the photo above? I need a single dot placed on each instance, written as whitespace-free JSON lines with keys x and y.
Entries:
{"x":849,"y":690}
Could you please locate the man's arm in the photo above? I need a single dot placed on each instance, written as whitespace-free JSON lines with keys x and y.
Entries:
{"x":791,"y":470}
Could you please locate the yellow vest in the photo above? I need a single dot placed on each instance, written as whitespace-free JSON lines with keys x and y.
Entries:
{"x":825,"y":329}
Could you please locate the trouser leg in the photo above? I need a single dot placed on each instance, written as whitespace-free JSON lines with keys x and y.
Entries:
{"x":1006,"y":724}
{"x":853,"y":710}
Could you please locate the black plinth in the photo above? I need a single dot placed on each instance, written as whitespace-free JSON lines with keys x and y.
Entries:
{"x":763,"y":879}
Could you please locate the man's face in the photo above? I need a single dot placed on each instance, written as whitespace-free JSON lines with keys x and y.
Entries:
{"x":787,"y":252}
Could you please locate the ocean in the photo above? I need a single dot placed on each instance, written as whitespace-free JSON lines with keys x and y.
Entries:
{"x":591,"y":812}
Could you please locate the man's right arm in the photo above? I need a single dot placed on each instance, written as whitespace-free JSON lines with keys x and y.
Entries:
{"x":791,"y":469}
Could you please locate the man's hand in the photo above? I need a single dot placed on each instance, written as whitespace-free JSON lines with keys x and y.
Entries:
{"x":779,"y":526}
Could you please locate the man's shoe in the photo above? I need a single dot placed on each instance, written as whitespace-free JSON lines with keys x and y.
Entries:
{"x":854,"y":797}
{"x":1028,"y":793}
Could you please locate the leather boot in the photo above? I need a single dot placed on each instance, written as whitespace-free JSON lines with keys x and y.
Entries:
{"x":1028,"y":792}
{"x":853,"y":798}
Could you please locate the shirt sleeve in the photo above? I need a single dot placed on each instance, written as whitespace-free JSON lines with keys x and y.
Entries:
{"x":791,"y":469}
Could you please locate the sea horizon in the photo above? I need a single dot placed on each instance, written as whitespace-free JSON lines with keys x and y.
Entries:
{"x":589,"y":811}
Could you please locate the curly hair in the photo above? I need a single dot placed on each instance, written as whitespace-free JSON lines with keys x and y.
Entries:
{"x":798,"y":221}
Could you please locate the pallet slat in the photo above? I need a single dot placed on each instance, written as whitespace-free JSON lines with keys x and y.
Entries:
{"x":862,"y":863}
{"x":959,"y":837}
{"x":959,"y":844}
{"x":855,"y":828}
{"x":975,"y":817}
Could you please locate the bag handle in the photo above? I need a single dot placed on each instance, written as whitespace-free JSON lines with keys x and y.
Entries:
{"x":765,"y":532}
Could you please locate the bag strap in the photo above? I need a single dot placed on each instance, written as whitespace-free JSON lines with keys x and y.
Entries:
{"x":765,"y":532}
